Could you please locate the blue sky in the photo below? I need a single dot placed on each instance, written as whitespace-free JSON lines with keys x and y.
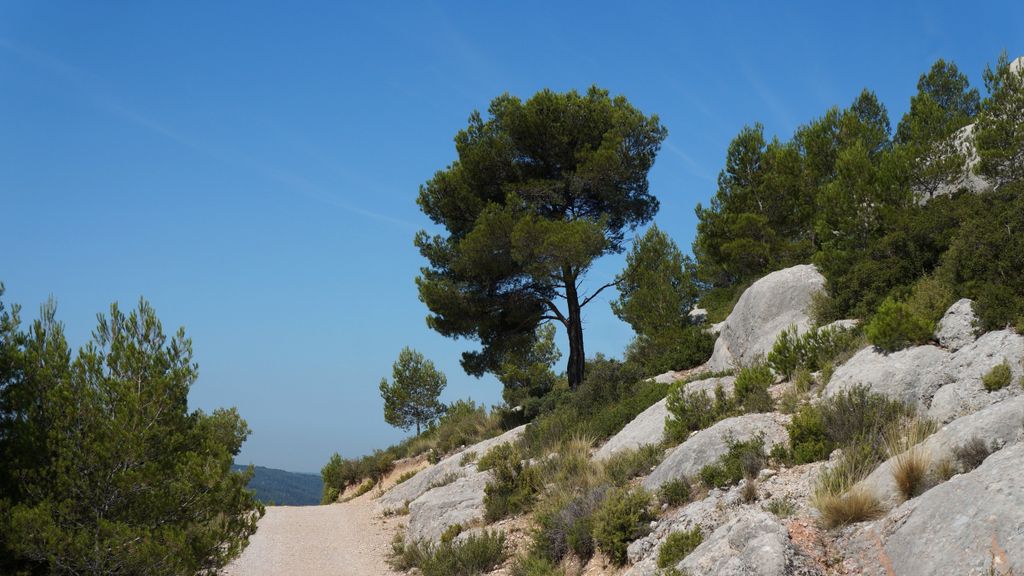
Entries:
{"x":251,"y":168}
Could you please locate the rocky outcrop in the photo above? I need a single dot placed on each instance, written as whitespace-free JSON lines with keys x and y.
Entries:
{"x":461,"y":502}
{"x":912,"y":375}
{"x":649,"y":426}
{"x":454,"y":465}
{"x":708,"y":445}
{"x":996,"y":426}
{"x":969,"y":525}
{"x":958,"y":326}
{"x":769,"y":306}
{"x":754,"y":543}
{"x":943,"y":385}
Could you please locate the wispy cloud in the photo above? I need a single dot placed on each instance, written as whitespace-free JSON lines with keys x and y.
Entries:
{"x":91,"y":87}
{"x":694,"y":167}
{"x":783,"y":115}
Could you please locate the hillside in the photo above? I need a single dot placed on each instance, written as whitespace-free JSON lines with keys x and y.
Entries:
{"x":285,"y":488}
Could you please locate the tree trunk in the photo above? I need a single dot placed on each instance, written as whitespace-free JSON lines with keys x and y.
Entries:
{"x":574,"y":327}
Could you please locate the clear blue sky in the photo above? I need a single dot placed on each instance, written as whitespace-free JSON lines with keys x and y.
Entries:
{"x":251,"y":168}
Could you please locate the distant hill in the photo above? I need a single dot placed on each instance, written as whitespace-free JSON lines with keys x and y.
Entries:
{"x":283,"y":487}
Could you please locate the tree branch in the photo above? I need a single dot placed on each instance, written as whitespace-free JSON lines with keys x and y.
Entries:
{"x":558,"y":313}
{"x":594,"y":295}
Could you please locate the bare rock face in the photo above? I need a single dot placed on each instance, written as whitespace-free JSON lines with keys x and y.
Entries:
{"x":912,"y":375}
{"x":753,"y":543}
{"x":967,"y":366}
{"x":969,"y":525}
{"x":649,"y":426}
{"x":769,"y":306}
{"x":461,"y":502}
{"x":998,"y":425}
{"x":708,"y":445}
{"x":957,"y":327}
{"x":408,"y":491}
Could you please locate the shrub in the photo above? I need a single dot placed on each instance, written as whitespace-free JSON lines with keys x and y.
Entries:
{"x":608,"y":420}
{"x":405,"y":476}
{"x":998,"y":377}
{"x":751,"y":388}
{"x":781,"y":507}
{"x":972,"y":453}
{"x":809,"y":441}
{"x":692,"y":411}
{"x":628,"y":464}
{"x":535,"y":565}
{"x":622,"y":518}
{"x":895,"y":326}
{"x":744,"y":459}
{"x":475,"y":555}
{"x":812,"y":349}
{"x":675,"y":492}
{"x":330,"y":495}
{"x":929,"y":299}
{"x":677,"y":546}
{"x":565,"y":524}
{"x":858,"y":414}
{"x":514,"y":485}
{"x":748,"y":493}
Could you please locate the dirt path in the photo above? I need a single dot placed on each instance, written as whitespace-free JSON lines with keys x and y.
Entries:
{"x":346,"y":539}
{"x":340,"y":539}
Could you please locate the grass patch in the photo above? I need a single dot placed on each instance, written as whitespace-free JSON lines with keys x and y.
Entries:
{"x":910,"y":461}
{"x":629,"y":464}
{"x":781,"y":507}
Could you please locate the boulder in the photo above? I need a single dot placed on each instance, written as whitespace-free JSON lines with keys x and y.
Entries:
{"x":957,"y":327}
{"x":708,"y":445}
{"x":649,"y":426}
{"x":965,"y":394}
{"x":969,"y":525}
{"x":698,"y":316}
{"x":752,"y":543}
{"x":912,"y":375}
{"x":397,"y":497}
{"x":461,"y":502}
{"x":999,"y":425}
{"x":769,"y":306}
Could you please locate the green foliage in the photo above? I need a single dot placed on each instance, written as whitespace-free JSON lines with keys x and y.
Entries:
{"x":527,"y":375}
{"x":998,"y":377}
{"x":656,"y":292}
{"x":675,"y":492}
{"x":565,"y":523}
{"x":751,"y":389}
{"x":535,"y":565}
{"x":475,"y":555}
{"x":628,"y":464}
{"x":106,"y":470}
{"x":811,"y":350}
{"x":622,"y":518}
{"x":677,"y":546}
{"x":411,"y":399}
{"x":540,"y":190}
{"x":514,"y":485}
{"x":999,"y":132}
{"x":809,"y":440}
{"x":743,"y":459}
{"x":781,"y":507}
{"x":340,"y":473}
{"x":694,"y":410}
{"x":895,"y":326}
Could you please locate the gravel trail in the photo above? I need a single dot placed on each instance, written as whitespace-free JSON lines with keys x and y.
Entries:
{"x":348,"y":539}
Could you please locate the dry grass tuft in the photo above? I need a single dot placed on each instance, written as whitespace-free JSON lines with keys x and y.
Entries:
{"x":910,"y":461}
{"x":855,"y":505}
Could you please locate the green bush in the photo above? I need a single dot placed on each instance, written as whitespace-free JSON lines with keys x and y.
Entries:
{"x":565,"y":524}
{"x":693,"y":411}
{"x":812,"y":350}
{"x":744,"y":459}
{"x":895,"y":326}
{"x":515,"y":482}
{"x":809,"y":441}
{"x":675,"y":492}
{"x":628,"y":464}
{"x":623,"y":517}
{"x":858,"y":414}
{"x":751,"y":389}
{"x":610,"y":419}
{"x":678,"y":348}
{"x":998,"y":377}
{"x":473,"y":556}
{"x":534,"y":565}
{"x":677,"y":546}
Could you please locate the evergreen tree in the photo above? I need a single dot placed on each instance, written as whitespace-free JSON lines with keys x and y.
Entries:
{"x":999,"y":134}
{"x":528,"y":373}
{"x":540,"y":190}
{"x":112,"y":474}
{"x":412,"y":397}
